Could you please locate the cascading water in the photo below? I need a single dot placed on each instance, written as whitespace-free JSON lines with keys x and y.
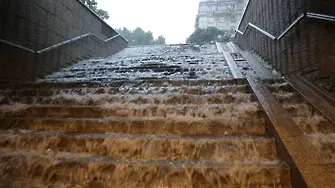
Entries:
{"x":146,"y":124}
{"x":317,"y":128}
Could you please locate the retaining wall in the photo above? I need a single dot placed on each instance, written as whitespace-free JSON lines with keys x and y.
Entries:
{"x":38,"y":24}
{"x":308,"y":49}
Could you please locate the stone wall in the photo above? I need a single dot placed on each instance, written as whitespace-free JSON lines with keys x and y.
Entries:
{"x":308,"y":49}
{"x":38,"y":24}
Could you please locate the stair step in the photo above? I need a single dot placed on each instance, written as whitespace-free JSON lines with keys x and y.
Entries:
{"x":240,"y":111}
{"x":283,"y":87}
{"x":195,"y":90}
{"x":325,"y":144}
{"x":315,"y":124}
{"x":177,"y":126}
{"x":289,"y":97}
{"x":98,"y":99}
{"x":98,"y":171}
{"x":120,"y":83}
{"x":275,"y":81}
{"x":30,"y":184}
{"x":148,"y":147}
{"x":299,"y":109}
{"x":111,"y":68}
{"x":61,"y":85}
{"x":82,"y":72}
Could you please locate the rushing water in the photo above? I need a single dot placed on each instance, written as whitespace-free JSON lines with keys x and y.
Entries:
{"x":317,"y":128}
{"x":147,"y":132}
{"x":154,"y":62}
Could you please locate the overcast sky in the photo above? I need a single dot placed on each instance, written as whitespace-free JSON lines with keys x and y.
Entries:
{"x":174,"y":19}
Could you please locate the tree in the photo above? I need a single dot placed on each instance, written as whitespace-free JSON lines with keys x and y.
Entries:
{"x":160,"y":40}
{"x":140,"y":37}
{"x":93,"y":5}
{"x":209,"y":35}
{"x":102,"y":13}
{"x":149,"y":38}
{"x":126,"y":33}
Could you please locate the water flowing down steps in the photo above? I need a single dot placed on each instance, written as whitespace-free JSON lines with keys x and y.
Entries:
{"x":299,"y":115}
{"x":197,"y":139}
{"x":157,"y":116}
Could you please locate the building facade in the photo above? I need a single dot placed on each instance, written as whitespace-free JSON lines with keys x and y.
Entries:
{"x":222,"y":14}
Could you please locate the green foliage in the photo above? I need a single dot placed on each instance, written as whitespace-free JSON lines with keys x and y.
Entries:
{"x":209,"y":35}
{"x":140,"y":37}
{"x":102,"y":13}
{"x":160,"y":40}
{"x":93,"y":5}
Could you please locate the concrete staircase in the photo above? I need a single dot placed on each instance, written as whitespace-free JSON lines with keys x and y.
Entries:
{"x":163,"y":129}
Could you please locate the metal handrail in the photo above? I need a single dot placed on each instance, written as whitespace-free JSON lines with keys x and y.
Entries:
{"x":243,"y":15}
{"x":75,"y":39}
{"x":302,"y":16}
{"x":59,"y":44}
{"x":292,"y":25}
{"x":17,"y":46}
{"x":68,"y":41}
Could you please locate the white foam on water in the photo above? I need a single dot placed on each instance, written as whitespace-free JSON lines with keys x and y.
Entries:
{"x":325,"y":144}
{"x":15,"y":107}
{"x":310,"y":124}
{"x":301,"y":109}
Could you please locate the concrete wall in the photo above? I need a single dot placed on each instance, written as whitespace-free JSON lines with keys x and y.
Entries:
{"x":37,"y":24}
{"x":308,"y":49}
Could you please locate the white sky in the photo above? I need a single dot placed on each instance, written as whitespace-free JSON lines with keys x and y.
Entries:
{"x":174,"y":19}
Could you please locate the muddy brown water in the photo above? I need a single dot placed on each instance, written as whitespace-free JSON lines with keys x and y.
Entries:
{"x":318,"y":129}
{"x":206,"y":132}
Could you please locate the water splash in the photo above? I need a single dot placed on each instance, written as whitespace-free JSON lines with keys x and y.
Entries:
{"x":299,"y":110}
{"x":15,"y":107}
{"x":316,"y":127}
{"x":325,"y":144}
{"x":87,"y":170}
{"x":148,"y":147}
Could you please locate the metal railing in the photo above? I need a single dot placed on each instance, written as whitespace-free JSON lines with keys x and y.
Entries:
{"x":75,"y":39}
{"x":59,"y":44}
{"x":301,"y":17}
{"x":243,"y":15}
{"x":17,"y":46}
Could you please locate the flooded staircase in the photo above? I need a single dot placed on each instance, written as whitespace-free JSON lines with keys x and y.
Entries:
{"x":159,"y":116}
{"x":318,"y":129}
